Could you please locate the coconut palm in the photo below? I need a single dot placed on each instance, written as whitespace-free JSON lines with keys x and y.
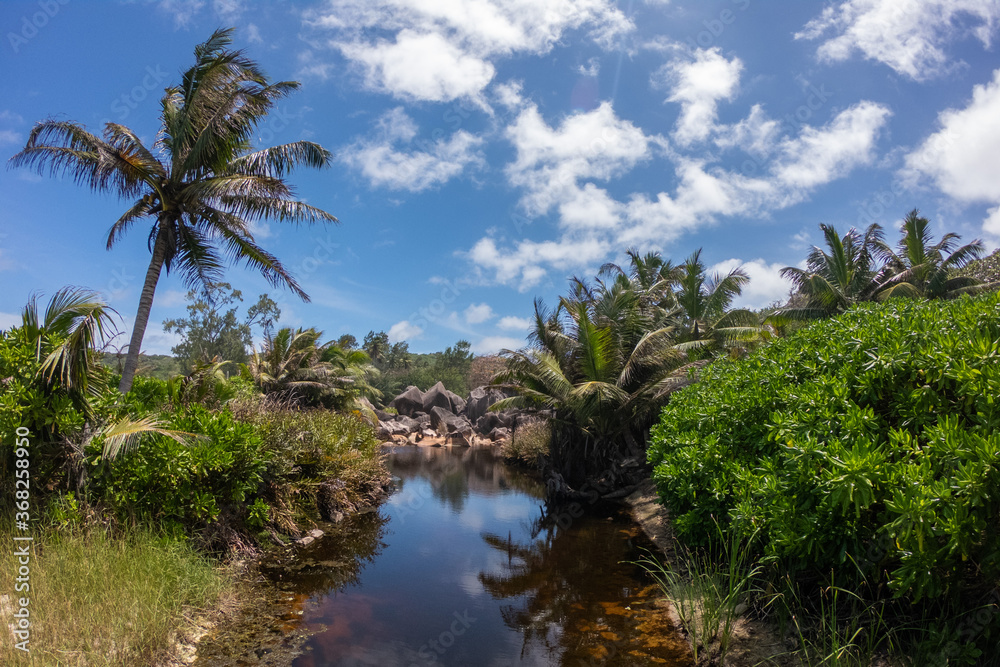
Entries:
{"x":293,"y":363}
{"x":703,"y":300}
{"x":834,"y":281}
{"x":919,"y":268}
{"x":201,"y":186}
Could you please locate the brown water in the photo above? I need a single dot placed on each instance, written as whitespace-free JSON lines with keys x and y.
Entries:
{"x":462,"y":566}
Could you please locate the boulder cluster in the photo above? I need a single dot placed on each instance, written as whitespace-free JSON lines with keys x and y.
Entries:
{"x":441,"y":417}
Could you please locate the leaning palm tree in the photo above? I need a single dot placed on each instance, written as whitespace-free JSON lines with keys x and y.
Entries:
{"x":200,"y":186}
{"x":919,"y":268}
{"x":839,"y":277}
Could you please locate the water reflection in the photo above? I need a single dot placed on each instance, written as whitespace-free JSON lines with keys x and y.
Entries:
{"x":576,"y":597}
{"x":461,"y":567}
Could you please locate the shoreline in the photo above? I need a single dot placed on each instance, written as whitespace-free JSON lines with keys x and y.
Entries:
{"x":753,"y":641}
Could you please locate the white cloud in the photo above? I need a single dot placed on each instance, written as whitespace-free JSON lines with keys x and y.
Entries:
{"x":509,"y":94}
{"x":388,"y":161}
{"x":9,"y":320}
{"x":478,"y":313}
{"x":992,"y":223}
{"x":253,"y":34}
{"x":766,"y":284}
{"x":421,"y":67}
{"x":441,"y":51}
{"x":171,"y":298}
{"x":698,"y":86}
{"x":819,"y":156}
{"x":511,"y":323}
{"x":961,"y":157}
{"x":9,"y":137}
{"x":493,"y":344}
{"x":756,"y":134}
{"x":551,"y":162}
{"x":228,"y":10}
{"x":183,"y":11}
{"x":404,"y":331}
{"x":907,"y":35}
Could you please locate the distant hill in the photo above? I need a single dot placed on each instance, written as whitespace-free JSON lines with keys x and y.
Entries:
{"x":160,"y":366}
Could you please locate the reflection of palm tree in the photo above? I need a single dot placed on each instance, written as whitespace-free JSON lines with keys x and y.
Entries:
{"x":580,"y":597}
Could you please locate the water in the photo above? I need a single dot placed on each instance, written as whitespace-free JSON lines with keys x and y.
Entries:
{"x":459,"y":567}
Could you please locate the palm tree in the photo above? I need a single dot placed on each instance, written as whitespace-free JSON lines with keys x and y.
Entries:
{"x":919,"y":268}
{"x":65,"y":338}
{"x":704,"y":304}
{"x":200,"y":186}
{"x":603,"y":388}
{"x":834,"y":281}
{"x":293,"y":363}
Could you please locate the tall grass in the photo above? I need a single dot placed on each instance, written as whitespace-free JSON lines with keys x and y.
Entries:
{"x":528,"y":443}
{"x":709,"y":592}
{"x":98,"y":599}
{"x":846,"y":630}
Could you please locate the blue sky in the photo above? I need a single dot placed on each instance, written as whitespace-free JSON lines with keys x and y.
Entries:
{"x":487,"y":150}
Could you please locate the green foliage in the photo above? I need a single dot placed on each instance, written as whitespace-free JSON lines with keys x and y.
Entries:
{"x":867,"y":445}
{"x":189,"y":483}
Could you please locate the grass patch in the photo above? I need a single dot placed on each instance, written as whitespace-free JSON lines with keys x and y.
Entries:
{"x":98,"y":599}
{"x":528,"y":443}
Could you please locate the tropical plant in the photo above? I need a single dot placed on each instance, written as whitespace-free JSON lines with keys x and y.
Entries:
{"x":292,"y":363}
{"x":203,"y":187}
{"x":834,"y":281}
{"x":64,"y":341}
{"x":602,"y":379}
{"x":213,"y":327}
{"x":703,"y":301}
{"x":919,"y":268}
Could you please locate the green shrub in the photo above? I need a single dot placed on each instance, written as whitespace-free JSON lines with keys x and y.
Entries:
{"x":861,"y":445}
{"x":186,"y":482}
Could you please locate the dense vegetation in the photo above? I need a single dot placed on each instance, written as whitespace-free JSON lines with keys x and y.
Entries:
{"x":863,"y":448}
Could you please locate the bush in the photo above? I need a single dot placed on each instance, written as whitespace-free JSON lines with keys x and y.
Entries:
{"x":193,"y":482}
{"x":529,"y":443}
{"x":862,"y":445}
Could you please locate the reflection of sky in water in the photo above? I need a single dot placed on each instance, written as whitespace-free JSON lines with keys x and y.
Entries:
{"x":459,"y":567}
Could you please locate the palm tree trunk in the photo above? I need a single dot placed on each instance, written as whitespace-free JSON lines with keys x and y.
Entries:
{"x":142,"y":316}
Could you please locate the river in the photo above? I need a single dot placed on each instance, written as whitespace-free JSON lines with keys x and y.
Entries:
{"x":461,"y":566}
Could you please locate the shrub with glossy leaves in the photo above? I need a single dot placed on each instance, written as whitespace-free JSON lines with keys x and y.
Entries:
{"x":867,"y":444}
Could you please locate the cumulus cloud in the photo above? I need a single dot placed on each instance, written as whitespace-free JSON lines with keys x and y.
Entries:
{"x":511,"y":323}
{"x":960,"y":158}
{"x":493,"y":344}
{"x":555,"y":166}
{"x":766,"y":284}
{"x":478,"y":313}
{"x":909,"y":36}
{"x":404,"y":330}
{"x":698,"y":85}
{"x":395,"y":159}
{"x":552,"y":161}
{"x":444,"y":51}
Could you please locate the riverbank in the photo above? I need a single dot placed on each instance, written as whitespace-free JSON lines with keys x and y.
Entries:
{"x":751,"y":641}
